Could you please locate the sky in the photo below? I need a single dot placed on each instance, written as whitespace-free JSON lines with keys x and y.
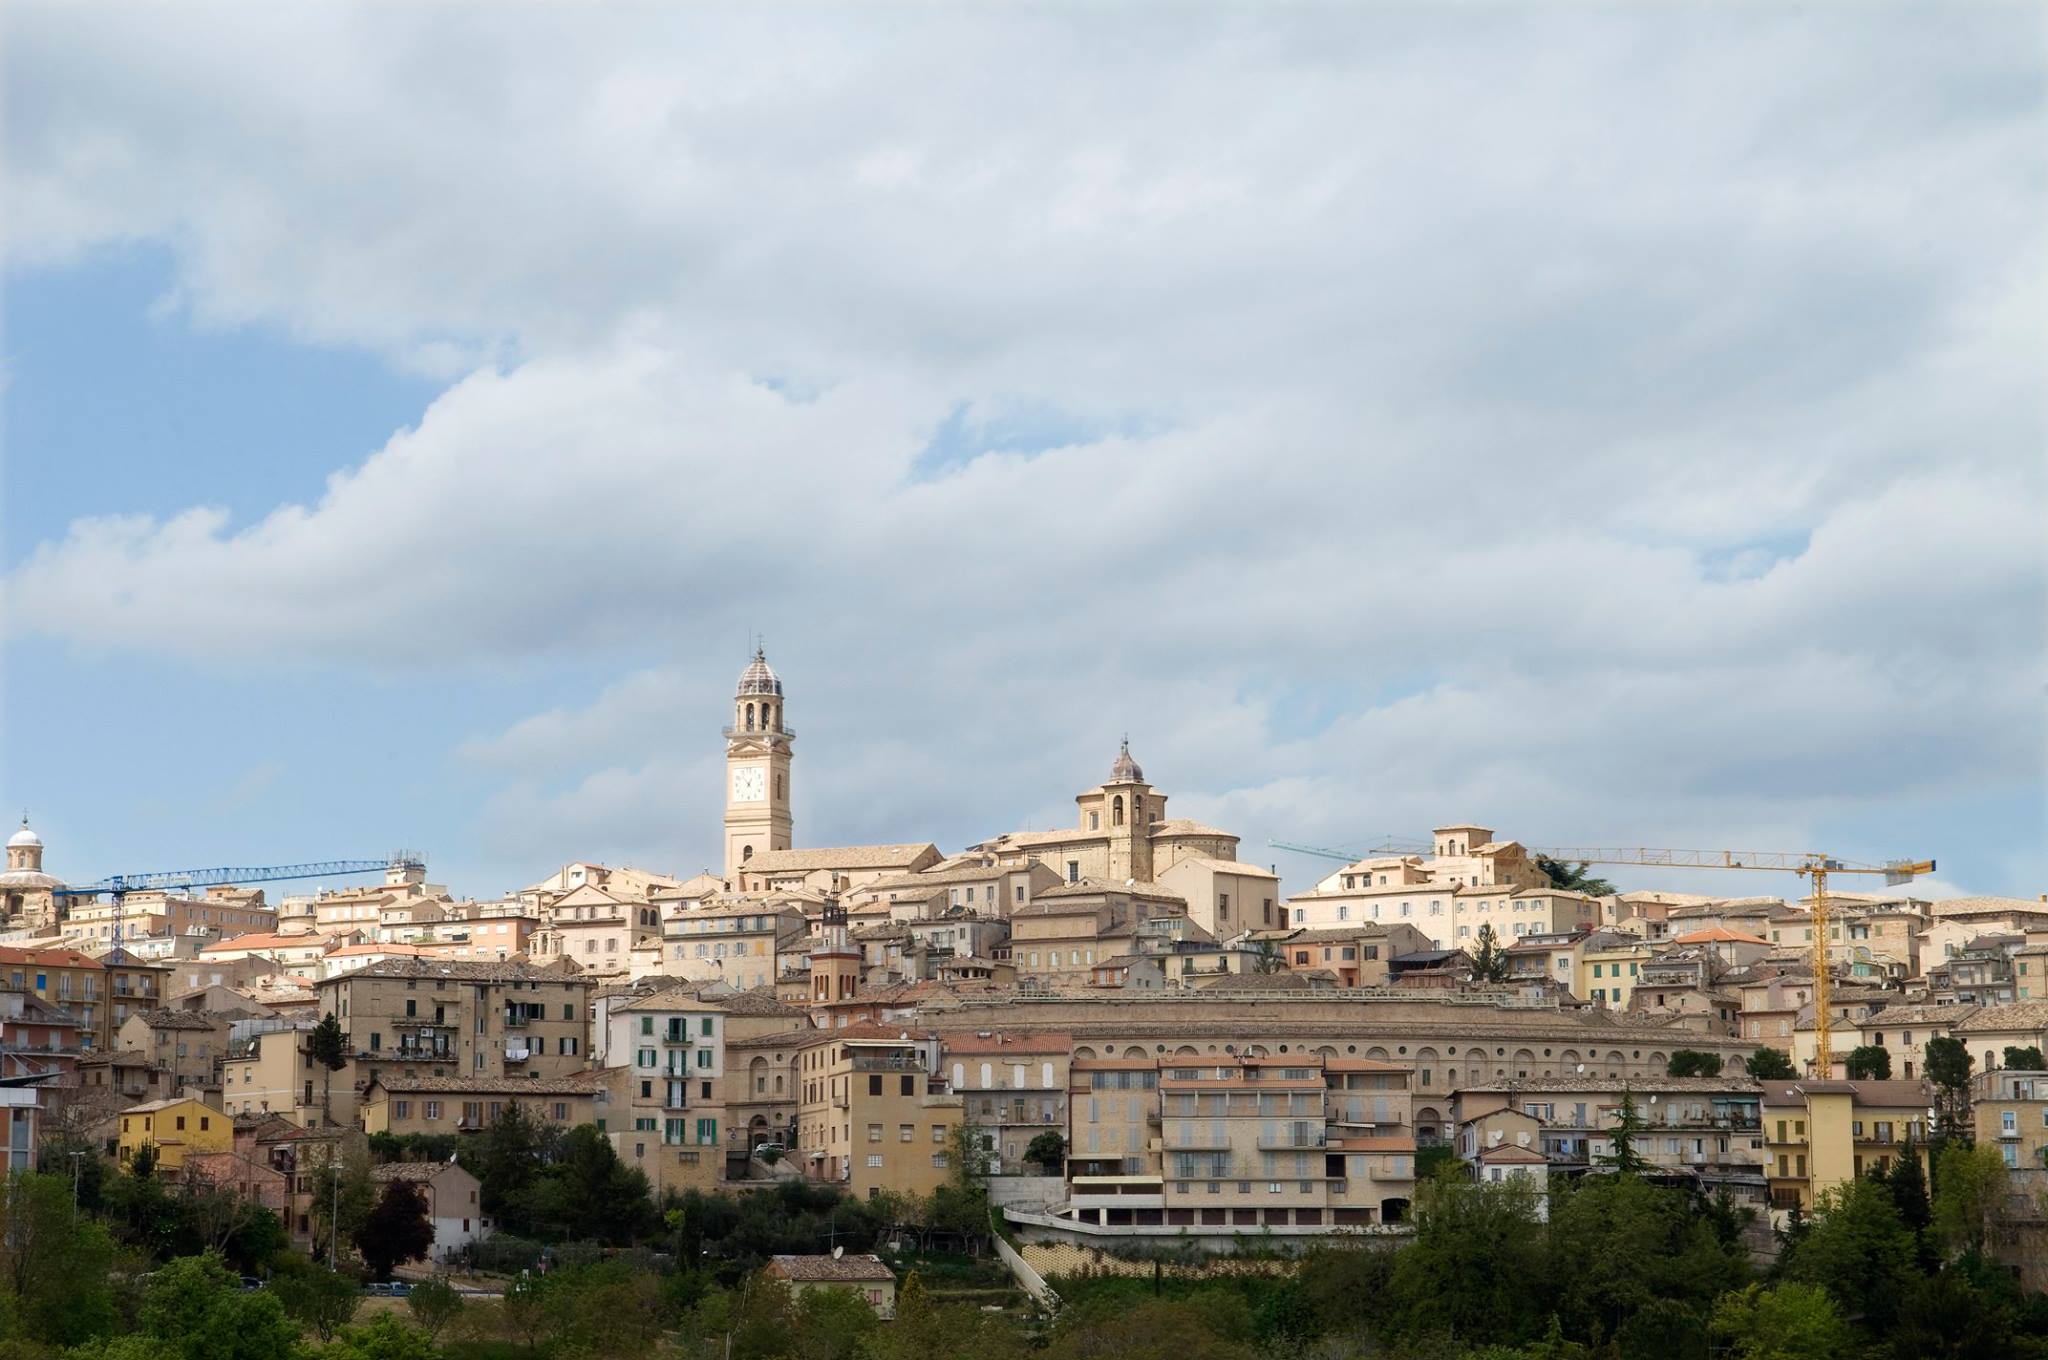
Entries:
{"x":1612,"y":426}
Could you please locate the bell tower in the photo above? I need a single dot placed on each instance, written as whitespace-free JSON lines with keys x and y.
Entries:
{"x":756,"y":769}
{"x":1127,"y":798}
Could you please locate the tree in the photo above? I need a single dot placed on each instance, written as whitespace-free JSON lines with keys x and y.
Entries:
{"x":1628,"y":1126}
{"x":396,"y":1231}
{"x":1771,"y":1064}
{"x":1947,"y":1065}
{"x":1490,"y":964}
{"x":507,"y":1157}
{"x":1266,"y":957}
{"x":1690,"y":1062}
{"x":1858,"y":1249}
{"x":434,"y":1304}
{"x":1573,"y":877}
{"x":328,"y":1046}
{"x":833,"y":1324}
{"x":322,"y":1299}
{"x":1047,"y":1151}
{"x":1790,"y":1322}
{"x":199,"y":1312}
{"x":341,"y":1196}
{"x":973,"y":1155}
{"x":1908,"y":1182}
{"x":383,"y":1337}
{"x":1969,"y":1196}
{"x":1618,"y":1244}
{"x":2026,"y":1059}
{"x":54,"y":1264}
{"x":1870,"y":1062}
{"x":1475,"y":1266}
{"x":588,"y":1194}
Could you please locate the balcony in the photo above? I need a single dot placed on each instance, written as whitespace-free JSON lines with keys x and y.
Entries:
{"x":514,"y":1020}
{"x":425,"y":1052}
{"x":673,"y":1038}
{"x":909,"y":1063}
{"x":1313,"y":1138}
{"x":517,"y":1054}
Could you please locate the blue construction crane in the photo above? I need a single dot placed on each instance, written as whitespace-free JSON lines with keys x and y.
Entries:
{"x":120,"y":885}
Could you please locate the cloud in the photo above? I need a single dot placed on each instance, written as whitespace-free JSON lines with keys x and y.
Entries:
{"x":1383,"y":417}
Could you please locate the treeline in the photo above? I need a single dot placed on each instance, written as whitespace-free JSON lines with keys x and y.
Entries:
{"x":1622,"y":1270}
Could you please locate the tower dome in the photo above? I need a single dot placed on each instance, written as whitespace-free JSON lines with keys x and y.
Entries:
{"x":24,"y":838}
{"x":1126,"y":770}
{"x":759,"y":677}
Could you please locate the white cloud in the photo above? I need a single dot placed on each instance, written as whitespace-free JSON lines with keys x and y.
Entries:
{"x":1439,"y":416}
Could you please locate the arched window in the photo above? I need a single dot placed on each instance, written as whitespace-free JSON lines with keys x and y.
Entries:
{"x":750,"y":717}
{"x":1116,"y":811}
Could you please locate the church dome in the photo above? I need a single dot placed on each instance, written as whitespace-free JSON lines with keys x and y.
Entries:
{"x":1125,"y":768}
{"x":24,"y":837}
{"x":759,"y":677}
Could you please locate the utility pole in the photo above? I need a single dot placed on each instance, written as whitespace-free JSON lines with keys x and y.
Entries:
{"x":76,"y":1163}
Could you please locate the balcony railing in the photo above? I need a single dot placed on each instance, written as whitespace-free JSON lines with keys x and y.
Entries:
{"x":514,"y":1020}
{"x":899,"y":1064}
{"x":677,"y":1038}
{"x":1313,"y":1139}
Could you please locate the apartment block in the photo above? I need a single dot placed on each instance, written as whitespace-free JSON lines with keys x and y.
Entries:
{"x":274,"y":1073}
{"x":187,"y":1046}
{"x":101,"y":992}
{"x":872,"y":1115}
{"x":2011,"y":1113}
{"x":428,"y":1017}
{"x":666,"y":1054}
{"x":1820,"y":1133}
{"x":1012,"y":1088}
{"x":1287,"y":1144}
{"x":1706,"y":1129}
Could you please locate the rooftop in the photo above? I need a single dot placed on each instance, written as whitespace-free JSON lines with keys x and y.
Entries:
{"x":848,"y":1269}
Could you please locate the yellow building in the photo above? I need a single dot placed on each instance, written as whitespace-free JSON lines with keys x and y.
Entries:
{"x":1819,"y":1134}
{"x":871,"y":1116}
{"x":174,"y":1127}
{"x":1609,"y":966}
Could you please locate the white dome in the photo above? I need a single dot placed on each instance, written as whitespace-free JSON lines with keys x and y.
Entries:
{"x":24,"y":837}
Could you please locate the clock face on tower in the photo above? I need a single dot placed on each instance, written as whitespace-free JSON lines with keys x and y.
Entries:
{"x":749,"y":784}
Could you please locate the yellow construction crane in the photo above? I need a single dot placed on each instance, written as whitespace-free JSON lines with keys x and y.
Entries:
{"x":1813,"y":867}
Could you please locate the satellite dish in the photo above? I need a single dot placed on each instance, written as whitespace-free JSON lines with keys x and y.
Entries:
{"x":838,"y":1252}
{"x":1130,"y":883}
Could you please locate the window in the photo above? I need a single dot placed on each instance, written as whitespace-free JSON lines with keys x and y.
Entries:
{"x":431,"y":1110}
{"x":905,"y":1132}
{"x":1073,"y":871}
{"x":938,"y":1133}
{"x":874,"y":1133}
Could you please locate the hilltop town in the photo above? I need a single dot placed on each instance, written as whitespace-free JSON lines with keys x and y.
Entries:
{"x":1132,"y":1031}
